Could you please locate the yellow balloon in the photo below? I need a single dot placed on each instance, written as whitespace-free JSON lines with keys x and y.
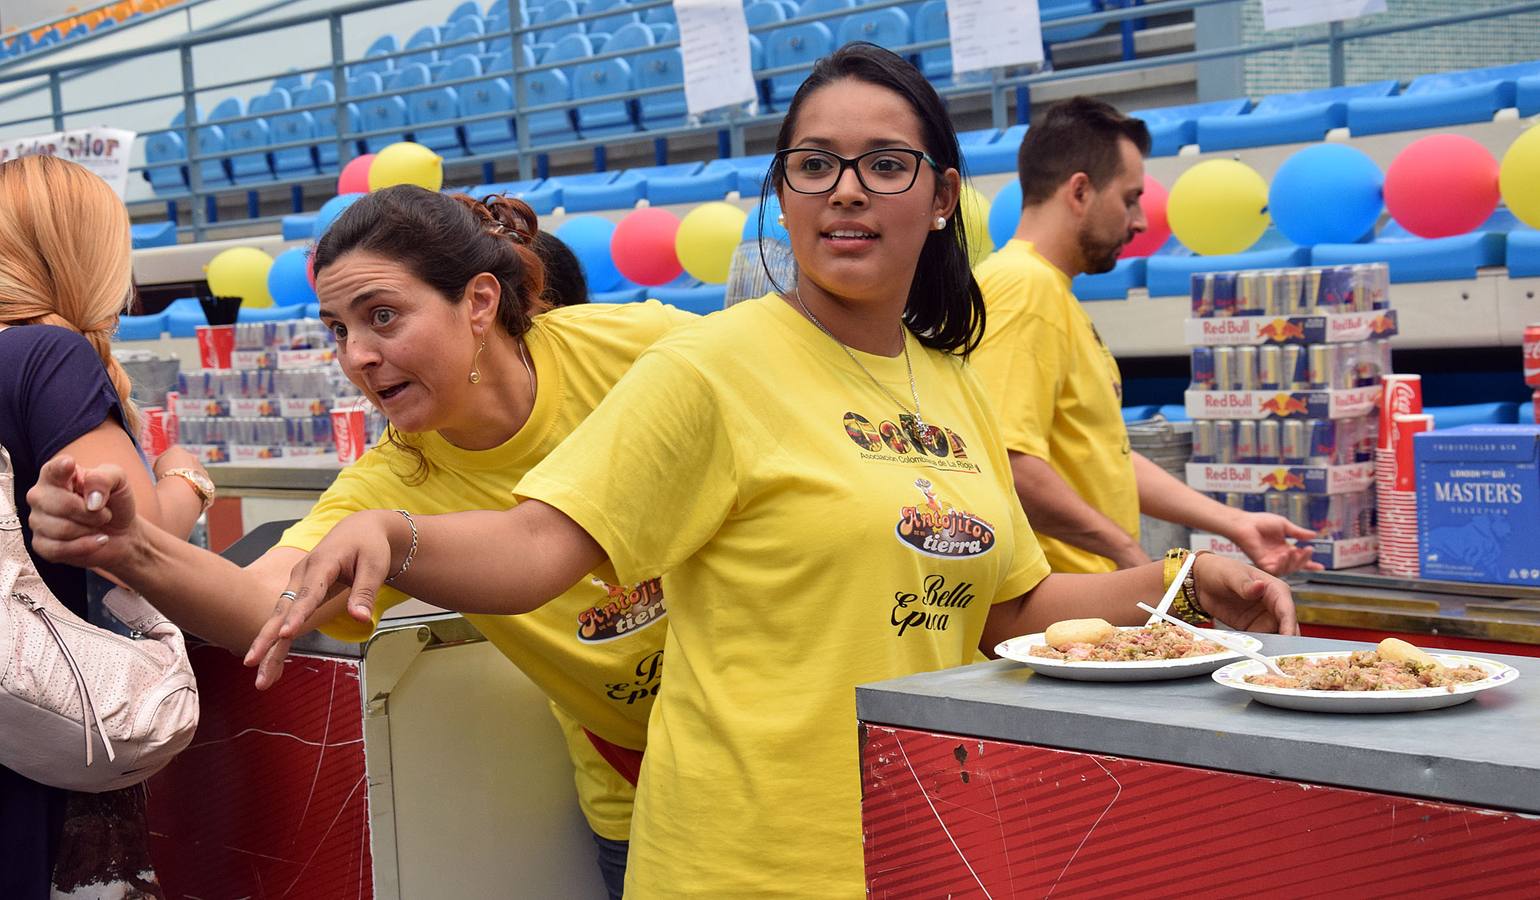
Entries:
{"x":1218,"y":206}
{"x":241,"y":272}
{"x":406,"y":163}
{"x":1519,"y":178}
{"x":974,"y":208}
{"x":707,"y":237}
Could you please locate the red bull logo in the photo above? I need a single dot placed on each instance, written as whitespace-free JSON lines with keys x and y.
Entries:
{"x":1285,"y":405}
{"x":1281,"y":331}
{"x":1283,"y":480}
{"x":1382,"y":325}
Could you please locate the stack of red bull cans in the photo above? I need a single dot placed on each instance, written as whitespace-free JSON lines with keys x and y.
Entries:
{"x":1292,"y":292}
{"x":1290,"y":367}
{"x":1395,"y":473}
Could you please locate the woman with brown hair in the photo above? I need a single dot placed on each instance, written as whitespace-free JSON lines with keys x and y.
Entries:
{"x":437,"y":305}
{"x":65,"y":277}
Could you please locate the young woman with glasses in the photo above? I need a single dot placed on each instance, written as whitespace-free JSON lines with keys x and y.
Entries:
{"x":742,"y":460}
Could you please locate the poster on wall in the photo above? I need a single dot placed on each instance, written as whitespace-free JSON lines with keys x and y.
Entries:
{"x":1294,"y":13}
{"x":714,"y":47}
{"x":102,"y":150}
{"x":989,"y":34}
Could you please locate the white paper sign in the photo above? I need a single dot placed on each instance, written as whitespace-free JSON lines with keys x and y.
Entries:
{"x":987,"y":34}
{"x":714,"y":41}
{"x":102,"y":150}
{"x":1294,"y":13}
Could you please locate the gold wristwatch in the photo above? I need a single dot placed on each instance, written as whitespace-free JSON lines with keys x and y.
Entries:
{"x":201,"y":484}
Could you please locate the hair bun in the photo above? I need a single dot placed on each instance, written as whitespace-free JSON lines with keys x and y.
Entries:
{"x":513,"y":215}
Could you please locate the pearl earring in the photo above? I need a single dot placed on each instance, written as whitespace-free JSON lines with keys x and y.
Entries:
{"x":780,"y":219}
{"x":940,"y":223}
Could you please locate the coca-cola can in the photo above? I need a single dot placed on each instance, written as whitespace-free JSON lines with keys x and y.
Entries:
{"x":1402,"y":397}
{"x":1535,"y":404}
{"x":1532,"y":355}
{"x":349,"y":432}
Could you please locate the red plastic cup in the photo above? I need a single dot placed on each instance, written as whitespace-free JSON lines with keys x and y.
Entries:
{"x":155,"y":435}
{"x":1536,"y":404}
{"x":216,"y":343}
{"x":1532,"y":355}
{"x":1406,"y":460}
{"x":1402,"y":397}
{"x":349,"y":432}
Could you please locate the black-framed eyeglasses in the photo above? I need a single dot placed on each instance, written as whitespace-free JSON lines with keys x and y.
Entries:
{"x":889,"y":170}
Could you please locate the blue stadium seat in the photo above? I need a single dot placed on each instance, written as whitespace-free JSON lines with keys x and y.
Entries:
{"x":183,"y":317}
{"x":764,"y":12}
{"x":324,"y":123}
{"x":1502,"y":413}
{"x":288,"y":127}
{"x":1446,"y":98}
{"x":270,"y":313}
{"x":1287,"y":118}
{"x":1114,"y":285}
{"x":997,"y":156}
{"x":379,"y":112}
{"x":660,"y":15}
{"x":1173,"y":412}
{"x":714,"y":181}
{"x":553,"y":11}
{"x":492,"y":95}
{"x":1526,"y":95}
{"x":626,"y":190}
{"x":518,"y":189}
{"x":752,"y":172}
{"x":660,"y":68}
{"x":1174,"y":127}
{"x":298,"y":226}
{"x":816,"y":7}
{"x":166,"y":147}
{"x":930,"y":24}
{"x":383,"y":44}
{"x":884,"y":27}
{"x":611,"y":76}
{"x":1049,"y":10}
{"x":1139,"y":413}
{"x":154,"y":234}
{"x":425,"y":108}
{"x":551,"y":86}
{"x":255,"y":134}
{"x":289,"y":81}
{"x":462,"y":29}
{"x":609,"y":24}
{"x":1523,"y":253}
{"x":551,"y":193}
{"x":466,"y":10}
{"x":1412,"y":258}
{"x":1172,"y":275}
{"x":140,"y":328}
{"x":701,"y":299}
{"x":211,"y":138}
{"x":426,"y":40}
{"x":792,"y":45}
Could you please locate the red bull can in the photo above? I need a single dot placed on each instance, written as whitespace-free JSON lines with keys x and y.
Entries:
{"x":1299,"y":509}
{"x":1235,"y":499}
{"x":1290,"y":287}
{"x":1273,"y":302}
{"x":1296,"y":442}
{"x":1246,"y":441}
{"x":1322,"y":437}
{"x":1269,"y":441}
{"x":1224,"y":441}
{"x":1310,"y":296}
{"x":1337,"y":290}
{"x":1249,"y":298}
{"x":1224,"y":368}
{"x":1246,"y":368}
{"x":1296,"y":368}
{"x":1366,"y":288}
{"x":1323,"y":366}
{"x":1326,"y":516}
{"x":1275,"y":503}
{"x":1203,"y":295}
{"x":1203,"y":368}
{"x":1203,"y":440}
{"x":1270,"y":367}
{"x":1224,"y":293}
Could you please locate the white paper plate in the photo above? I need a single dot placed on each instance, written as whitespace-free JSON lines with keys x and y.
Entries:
{"x":1235,"y":674}
{"x":1018,"y":648}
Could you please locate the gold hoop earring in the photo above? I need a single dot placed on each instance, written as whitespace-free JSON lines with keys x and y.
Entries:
{"x":475,"y":360}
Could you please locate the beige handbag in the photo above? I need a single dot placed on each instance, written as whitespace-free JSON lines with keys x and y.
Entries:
{"x":61,"y":678}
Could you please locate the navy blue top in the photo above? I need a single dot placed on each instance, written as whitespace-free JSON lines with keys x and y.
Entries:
{"x":53,"y":390}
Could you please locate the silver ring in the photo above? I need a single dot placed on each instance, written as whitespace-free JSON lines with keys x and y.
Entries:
{"x":288,"y":595}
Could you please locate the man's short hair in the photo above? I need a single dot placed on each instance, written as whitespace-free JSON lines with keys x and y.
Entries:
{"x":1078,"y":135}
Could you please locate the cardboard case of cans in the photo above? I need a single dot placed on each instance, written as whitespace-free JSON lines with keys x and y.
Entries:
{"x":275,"y":400}
{"x":1286,"y":369}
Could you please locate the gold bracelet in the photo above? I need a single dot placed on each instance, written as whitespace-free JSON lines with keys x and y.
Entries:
{"x":1173,"y":564}
{"x":1185,"y":605}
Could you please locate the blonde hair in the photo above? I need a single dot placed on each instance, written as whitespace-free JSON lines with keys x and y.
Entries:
{"x":65,"y":256}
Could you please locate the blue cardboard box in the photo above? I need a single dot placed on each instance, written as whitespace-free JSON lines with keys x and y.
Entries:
{"x":1478,"y":504}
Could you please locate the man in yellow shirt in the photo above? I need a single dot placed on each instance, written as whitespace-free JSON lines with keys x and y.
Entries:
{"x":1054,"y":383}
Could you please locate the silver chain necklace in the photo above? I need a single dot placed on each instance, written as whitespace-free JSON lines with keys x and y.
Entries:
{"x":903,"y":339}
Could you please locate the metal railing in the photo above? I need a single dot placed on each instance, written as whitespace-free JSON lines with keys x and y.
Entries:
{"x":731,"y":125}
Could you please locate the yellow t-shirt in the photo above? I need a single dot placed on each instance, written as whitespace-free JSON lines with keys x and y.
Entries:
{"x":808,"y":542}
{"x":595,"y":650}
{"x":1056,"y":389}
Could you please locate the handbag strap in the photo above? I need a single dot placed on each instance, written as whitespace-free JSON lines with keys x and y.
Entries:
{"x":8,"y":518}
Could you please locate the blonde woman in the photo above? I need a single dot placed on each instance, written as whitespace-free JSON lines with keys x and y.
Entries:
{"x":65,"y":276}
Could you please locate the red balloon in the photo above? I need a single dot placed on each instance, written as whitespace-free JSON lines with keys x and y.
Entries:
{"x":1442,"y":185}
{"x":1157,"y":231}
{"x":643,"y":247}
{"x":355,"y":175}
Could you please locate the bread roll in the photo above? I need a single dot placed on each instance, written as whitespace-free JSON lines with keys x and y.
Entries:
{"x":1078,"y":631}
{"x":1398,"y":650}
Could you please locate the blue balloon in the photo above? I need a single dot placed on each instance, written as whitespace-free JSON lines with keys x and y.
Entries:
{"x":289,"y":279}
{"x":330,"y":210}
{"x":1326,"y":194}
{"x":1005,"y":213}
{"x":773,"y":227}
{"x":589,"y":239}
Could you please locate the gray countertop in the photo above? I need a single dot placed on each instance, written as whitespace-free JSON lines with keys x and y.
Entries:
{"x":1484,"y":753}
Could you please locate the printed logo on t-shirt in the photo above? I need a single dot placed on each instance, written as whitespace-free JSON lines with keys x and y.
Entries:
{"x":648,"y":678}
{"x":905,"y":441}
{"x":937,"y":528}
{"x":930,"y":608}
{"x":628,"y":610}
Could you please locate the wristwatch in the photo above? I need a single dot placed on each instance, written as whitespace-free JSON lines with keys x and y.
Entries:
{"x":200,"y":483}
